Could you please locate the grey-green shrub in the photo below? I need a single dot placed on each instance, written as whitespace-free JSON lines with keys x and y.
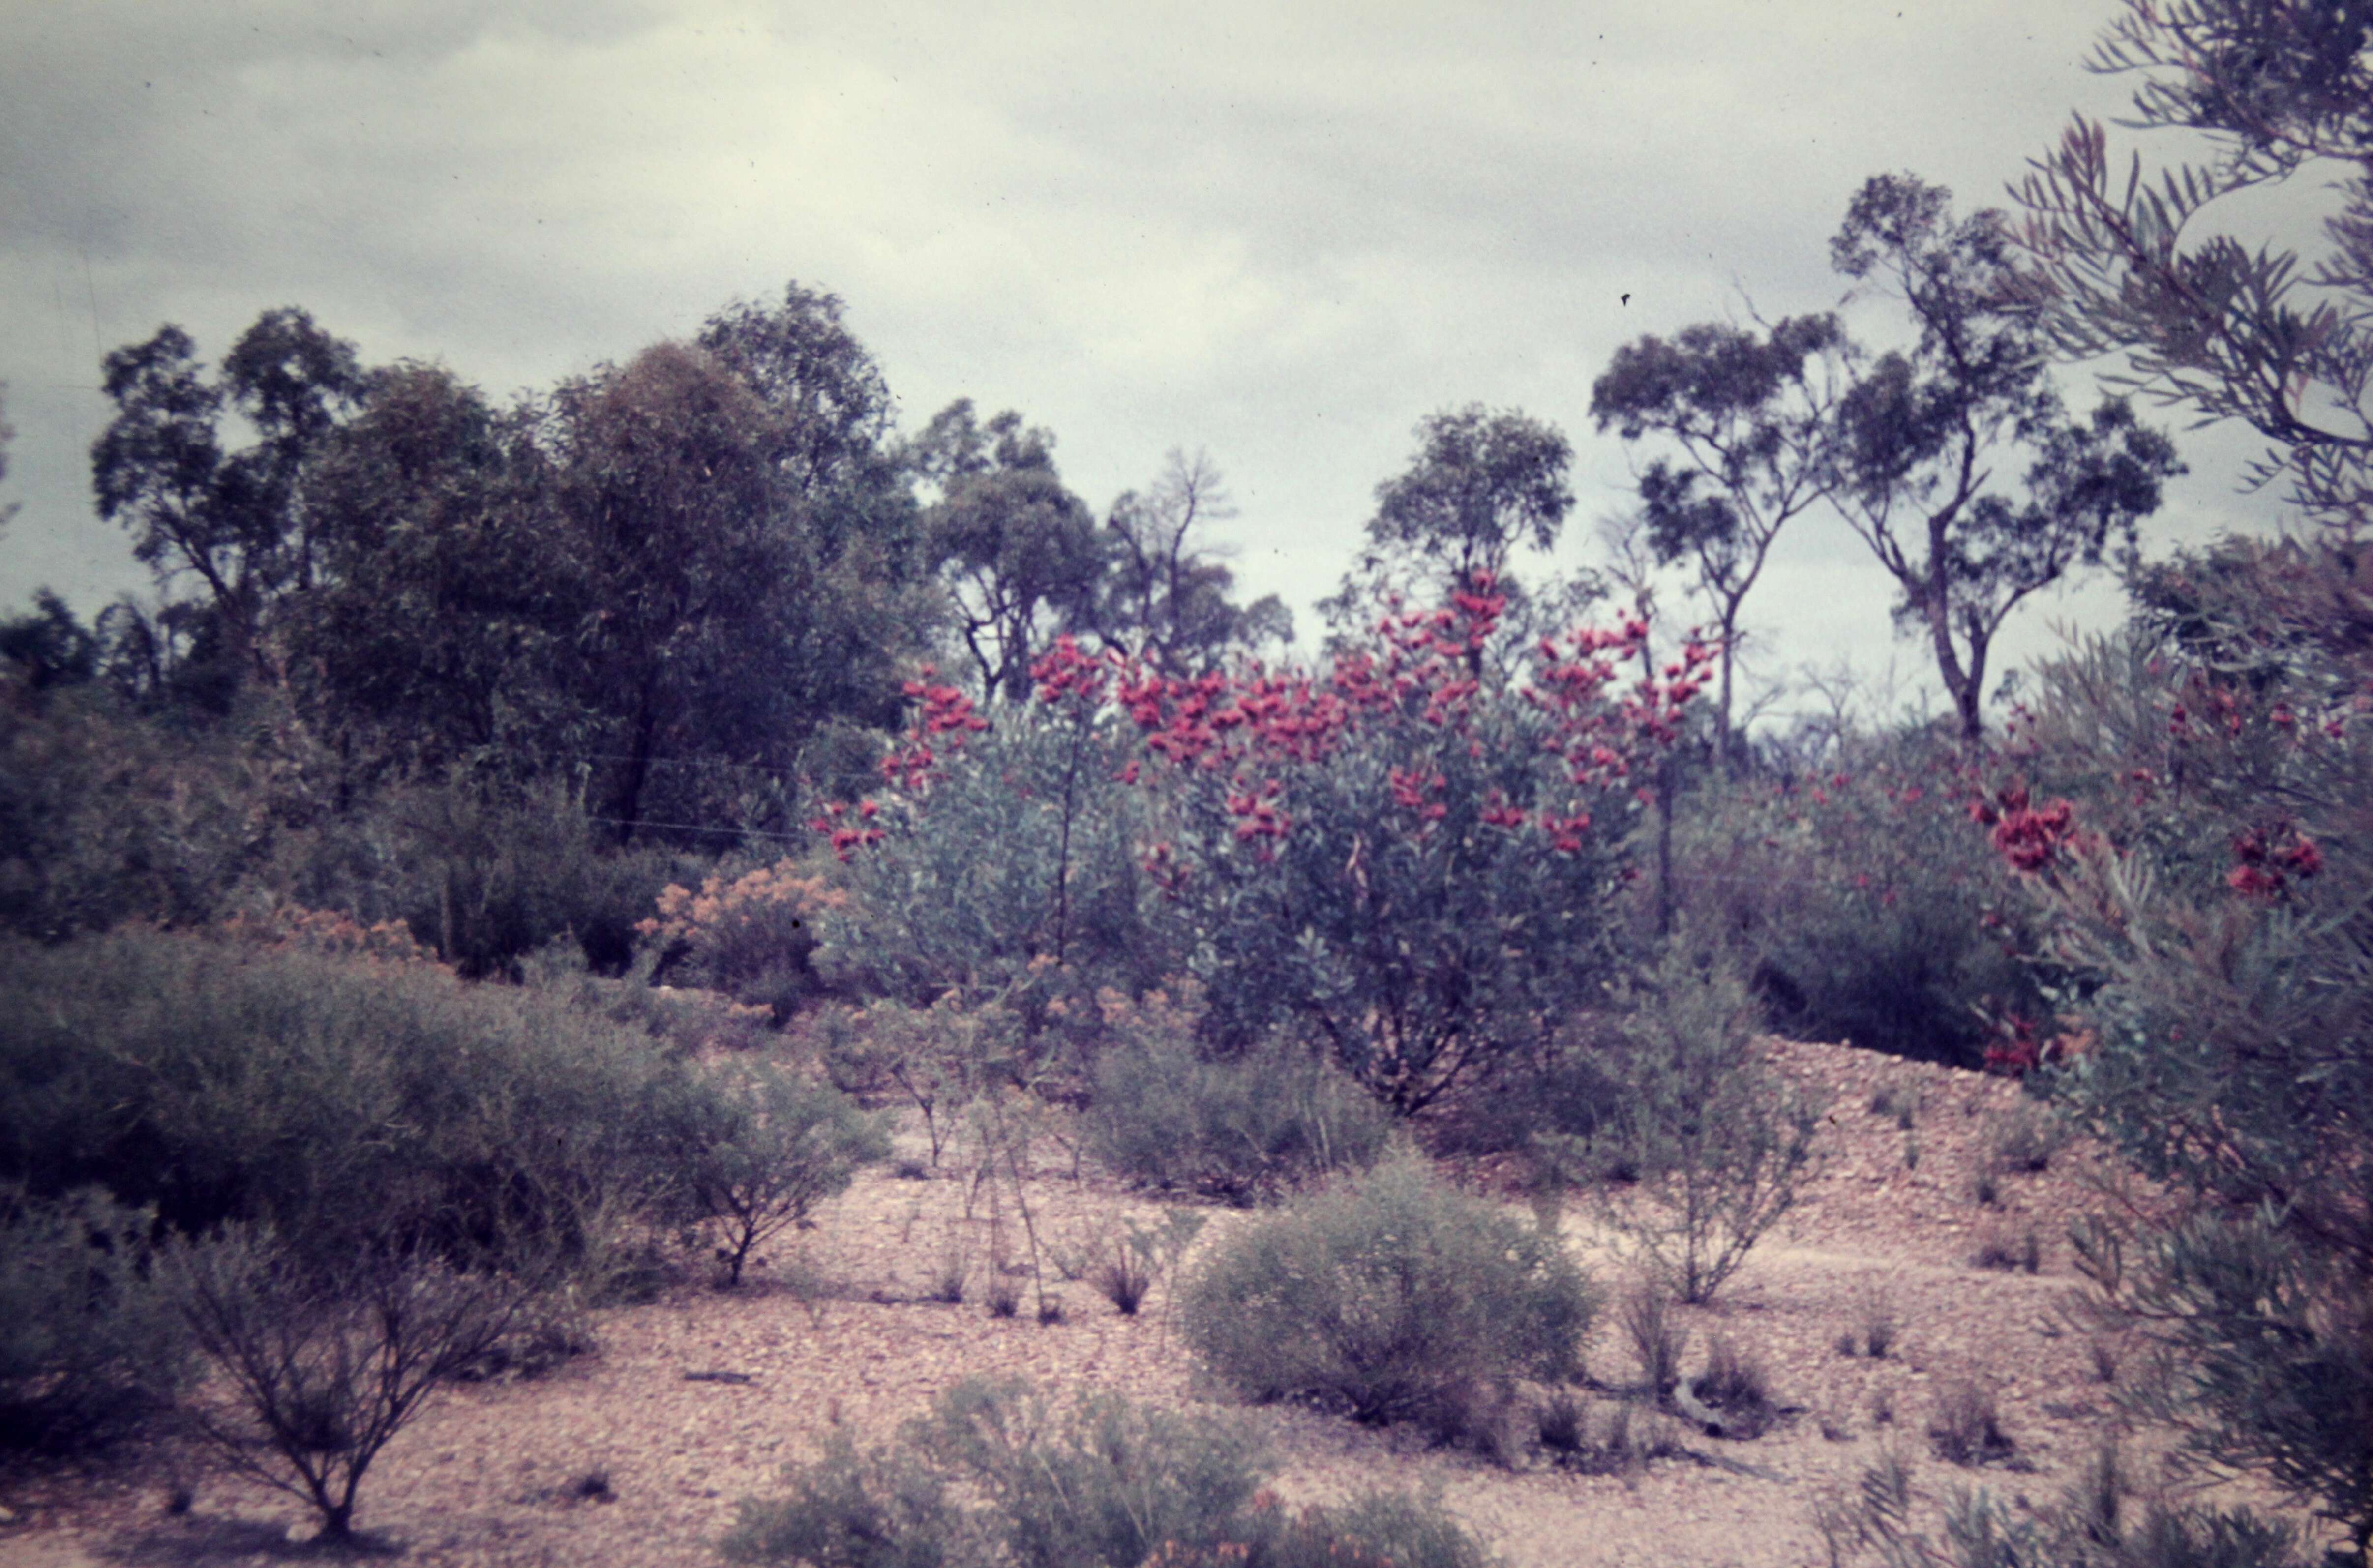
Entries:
{"x":761,"y":1146}
{"x":339,"y":1100}
{"x":1393,"y":1297}
{"x":88,"y":1343}
{"x":1242,"y":1128}
{"x":1719,"y":1146}
{"x":996,"y":1472}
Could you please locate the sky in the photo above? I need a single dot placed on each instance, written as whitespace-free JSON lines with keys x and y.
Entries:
{"x":1280,"y":234}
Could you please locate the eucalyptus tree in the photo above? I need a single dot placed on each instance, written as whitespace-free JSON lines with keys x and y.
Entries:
{"x":1017,"y":553}
{"x":230,"y":518}
{"x":1748,"y":417}
{"x":1955,"y":460}
{"x":1165,"y":595}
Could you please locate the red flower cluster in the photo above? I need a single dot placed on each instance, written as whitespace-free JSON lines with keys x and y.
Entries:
{"x":2029,"y":837}
{"x":848,"y":835}
{"x":945,"y":712}
{"x":1068,"y":671}
{"x":1413,"y":789}
{"x":2268,"y":857}
{"x":1257,"y":819}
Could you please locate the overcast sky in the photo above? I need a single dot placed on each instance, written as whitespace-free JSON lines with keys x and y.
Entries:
{"x":1280,"y":232}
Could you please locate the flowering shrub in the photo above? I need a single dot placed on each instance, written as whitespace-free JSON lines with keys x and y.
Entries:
{"x":751,"y":936}
{"x":1866,"y":903}
{"x":998,"y":862}
{"x":2210,"y":902}
{"x":1406,"y":856}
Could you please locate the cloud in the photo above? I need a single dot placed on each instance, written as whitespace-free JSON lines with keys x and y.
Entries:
{"x":1281,"y":233}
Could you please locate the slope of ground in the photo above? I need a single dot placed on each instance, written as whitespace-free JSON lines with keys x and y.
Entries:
{"x":844,"y":1329}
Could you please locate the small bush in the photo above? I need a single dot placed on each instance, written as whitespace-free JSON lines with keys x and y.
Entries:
{"x":2091,"y":1525}
{"x":1240,"y":1129}
{"x":1392,"y":1298}
{"x":319,"y":1365}
{"x":762,"y":1146}
{"x":995,"y":1472}
{"x":1658,"y":1342}
{"x":847,"y":1510}
{"x":1877,"y":1324}
{"x":752,"y":937}
{"x":88,"y":1343}
{"x":1966,"y":1430}
{"x":1900,"y":1098}
{"x":1998,"y":1248}
{"x":1720,"y":1147}
{"x":2023,"y":1141}
{"x":1733,"y":1385}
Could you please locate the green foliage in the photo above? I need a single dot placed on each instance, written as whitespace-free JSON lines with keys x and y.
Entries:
{"x":761,"y":1146}
{"x":339,"y":1100}
{"x":886,"y":1509}
{"x":1020,"y":856}
{"x":1240,"y":1128}
{"x":2093,"y":1524}
{"x":88,"y":1344}
{"x":104,"y":818}
{"x":2212,"y":889}
{"x":999,"y":1473}
{"x":1867,"y":906}
{"x":2148,"y":267}
{"x":1719,"y":1146}
{"x":1392,"y":1297}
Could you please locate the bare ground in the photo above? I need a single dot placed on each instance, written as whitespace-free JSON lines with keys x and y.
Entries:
{"x":500,"y":1473}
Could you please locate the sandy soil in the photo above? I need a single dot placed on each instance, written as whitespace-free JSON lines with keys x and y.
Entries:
{"x":493,"y":1474}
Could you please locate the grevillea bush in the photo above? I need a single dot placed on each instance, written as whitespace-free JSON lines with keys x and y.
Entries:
{"x":2198,"y":825}
{"x":1864,"y":901}
{"x":1405,"y":858}
{"x":996,"y":862}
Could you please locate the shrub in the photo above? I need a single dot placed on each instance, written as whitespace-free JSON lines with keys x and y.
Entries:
{"x":1437,"y":790}
{"x":761,"y":1146}
{"x":1392,"y":1297}
{"x":2023,"y":1141}
{"x":1253,"y":1126}
{"x":847,"y":1510}
{"x":1998,"y":1248}
{"x":1658,"y":1342}
{"x":1877,"y":1324}
{"x":1966,"y":1430}
{"x":989,"y":850}
{"x":2091,"y":1525}
{"x":106,"y":819}
{"x":1862,"y":901}
{"x":996,"y":1472}
{"x":321,"y":1364}
{"x":342,"y":1101}
{"x":1719,"y":1146}
{"x":2210,"y":878}
{"x":88,"y":1344}
{"x":752,"y":937}
{"x":1733,"y":1385}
